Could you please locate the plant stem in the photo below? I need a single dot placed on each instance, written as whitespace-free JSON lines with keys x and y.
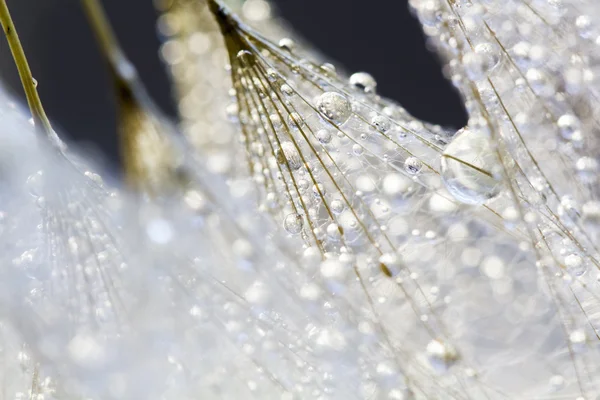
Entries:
{"x":33,"y":99}
{"x":105,"y":36}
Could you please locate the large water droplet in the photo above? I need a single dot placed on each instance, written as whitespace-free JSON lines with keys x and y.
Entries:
{"x":469,"y":168}
{"x":334,"y":107}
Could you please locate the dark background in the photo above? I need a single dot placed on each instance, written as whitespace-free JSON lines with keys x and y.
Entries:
{"x":377,"y":36}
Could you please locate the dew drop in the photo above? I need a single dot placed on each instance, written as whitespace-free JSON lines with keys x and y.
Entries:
{"x":295,"y":120}
{"x":381,"y":123}
{"x":568,"y":126}
{"x":318,"y":190}
{"x":575,"y":264}
{"x":245,"y":56}
{"x":287,"y":89}
{"x":35,"y":183}
{"x":363,"y":81}
{"x":358,"y":150}
{"x":287,"y":44}
{"x":324,"y":136}
{"x":293,"y":223}
{"x":329,"y":69}
{"x":288,"y":154}
{"x":413,"y":165}
{"x":441,"y":355}
{"x":334,"y":231}
{"x":468,"y":166}
{"x":337,"y":206}
{"x":334,"y":107}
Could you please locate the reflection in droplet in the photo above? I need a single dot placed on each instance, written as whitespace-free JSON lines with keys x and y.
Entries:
{"x":468,"y":167}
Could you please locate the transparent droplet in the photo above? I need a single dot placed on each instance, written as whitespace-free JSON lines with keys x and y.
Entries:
{"x":287,"y":44}
{"x":363,"y":81}
{"x":35,"y":183}
{"x":413,"y":165}
{"x":293,"y":223}
{"x":584,"y":26}
{"x":490,"y":56}
{"x":295,"y":120}
{"x":334,"y":107}
{"x":381,"y":123}
{"x":578,"y":337}
{"x":245,"y":57}
{"x":357,"y":149}
{"x":160,"y":231}
{"x":288,"y":155}
{"x":468,"y":168}
{"x":319,"y":190}
{"x":575,"y":264}
{"x":474,"y":66}
{"x":557,"y":382}
{"x":324,"y":136}
{"x":329,"y":69}
{"x":337,"y":206}
{"x":568,"y":125}
{"x":441,"y":355}
{"x":334,"y":231}
{"x":287,"y":89}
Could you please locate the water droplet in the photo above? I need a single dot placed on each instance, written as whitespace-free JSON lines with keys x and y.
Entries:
{"x":160,"y":231}
{"x":333,"y":269}
{"x":295,"y":120}
{"x":381,"y":123}
{"x":287,"y":89}
{"x":319,"y":190}
{"x":568,"y":125}
{"x":489,"y":54}
{"x":329,"y":69}
{"x":334,"y":107}
{"x":276,"y":120}
{"x":468,"y":167}
{"x":287,"y":44}
{"x":363,"y":81}
{"x":587,"y":169}
{"x":557,"y":382}
{"x":441,"y":355}
{"x":334,"y":231}
{"x":324,"y":136}
{"x":413,"y":165}
{"x":584,"y":26}
{"x":578,"y":337}
{"x":245,"y":57}
{"x":293,"y":223}
{"x":337,"y":206}
{"x":474,"y":66}
{"x":35,"y":183}
{"x":575,"y":264}
{"x":288,"y":154}
{"x":257,"y":293}
{"x":357,"y":149}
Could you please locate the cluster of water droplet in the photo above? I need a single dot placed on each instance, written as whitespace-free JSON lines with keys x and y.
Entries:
{"x":413,"y":263}
{"x":362,"y":182}
{"x":527,"y":73}
{"x":194,"y":51}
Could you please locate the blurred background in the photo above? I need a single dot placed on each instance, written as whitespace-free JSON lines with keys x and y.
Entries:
{"x":377,"y":36}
